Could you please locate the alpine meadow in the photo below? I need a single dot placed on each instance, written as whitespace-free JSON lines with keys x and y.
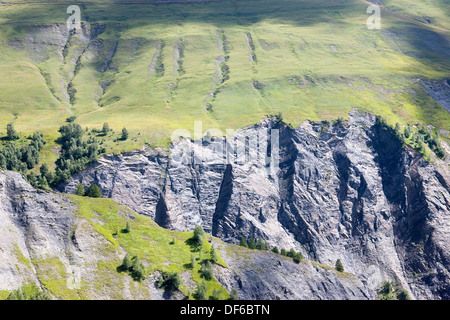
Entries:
{"x":343,"y":192}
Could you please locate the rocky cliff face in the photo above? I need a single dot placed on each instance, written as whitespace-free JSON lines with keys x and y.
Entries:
{"x":45,"y":242}
{"x":349,"y":191}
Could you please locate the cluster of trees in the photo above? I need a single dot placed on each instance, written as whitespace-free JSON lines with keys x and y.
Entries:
{"x":206,"y":267}
{"x":93,"y":191}
{"x":391,"y":291}
{"x":252,"y":244}
{"x":420,"y":138}
{"x":33,"y":294}
{"x":21,"y":158}
{"x":169,"y":281}
{"x":133,"y":266}
{"x":260,"y":245}
{"x":296,"y":256}
{"x":76,"y":153}
{"x":426,"y":136}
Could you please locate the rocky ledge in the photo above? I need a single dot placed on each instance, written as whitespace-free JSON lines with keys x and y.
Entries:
{"x":349,"y":191}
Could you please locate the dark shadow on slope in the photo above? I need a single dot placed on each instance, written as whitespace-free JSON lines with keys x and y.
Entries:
{"x":220,"y":13}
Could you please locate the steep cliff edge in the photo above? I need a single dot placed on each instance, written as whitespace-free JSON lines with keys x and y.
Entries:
{"x":72,"y":246}
{"x":348,"y":191}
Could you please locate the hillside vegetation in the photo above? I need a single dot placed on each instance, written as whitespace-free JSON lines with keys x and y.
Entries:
{"x":158,"y":67}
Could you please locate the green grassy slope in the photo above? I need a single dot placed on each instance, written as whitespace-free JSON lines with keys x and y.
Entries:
{"x":311,"y":60}
{"x":160,"y":249}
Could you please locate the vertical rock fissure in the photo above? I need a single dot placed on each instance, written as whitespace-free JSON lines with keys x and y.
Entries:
{"x":225,"y":192}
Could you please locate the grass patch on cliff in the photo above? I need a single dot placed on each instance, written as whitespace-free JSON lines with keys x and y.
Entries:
{"x":157,"y":248}
{"x":20,"y":257}
{"x":4,"y":294}
{"x":52,"y":274}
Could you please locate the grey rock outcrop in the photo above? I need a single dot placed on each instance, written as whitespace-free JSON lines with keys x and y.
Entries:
{"x":351,"y":191}
{"x":439,"y":91}
{"x":262,"y":275}
{"x":45,"y":242}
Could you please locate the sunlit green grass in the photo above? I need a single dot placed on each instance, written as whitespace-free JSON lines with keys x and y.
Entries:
{"x":160,"y":249}
{"x":315,"y":60}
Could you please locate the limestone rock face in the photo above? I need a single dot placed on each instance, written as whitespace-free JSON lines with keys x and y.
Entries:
{"x":349,"y":191}
{"x":45,"y":242}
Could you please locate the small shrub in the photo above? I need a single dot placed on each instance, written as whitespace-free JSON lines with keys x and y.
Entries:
{"x":192,"y":264}
{"x":71,"y":119}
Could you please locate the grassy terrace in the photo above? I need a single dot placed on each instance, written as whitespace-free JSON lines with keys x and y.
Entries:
{"x":313,"y":61}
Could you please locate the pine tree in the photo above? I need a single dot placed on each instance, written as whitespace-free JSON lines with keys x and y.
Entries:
{"x":260,"y":245}
{"x":339,"y":266}
{"x":127,"y":228}
{"x":124,"y":134}
{"x":201,"y":293}
{"x":80,"y":190}
{"x":11,"y":133}
{"x":198,"y":238}
{"x":407,"y":131}
{"x":126,"y":264}
{"x":297,"y":257}
{"x":137,"y":269}
{"x":214,"y":255}
{"x":44,"y":170}
{"x":198,"y":232}
{"x":105,"y":128}
{"x":251,"y":243}
{"x":275,"y":249}
{"x":94,"y":191}
{"x":243,"y":243}
{"x":207,"y":270}
{"x":170,"y":281}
